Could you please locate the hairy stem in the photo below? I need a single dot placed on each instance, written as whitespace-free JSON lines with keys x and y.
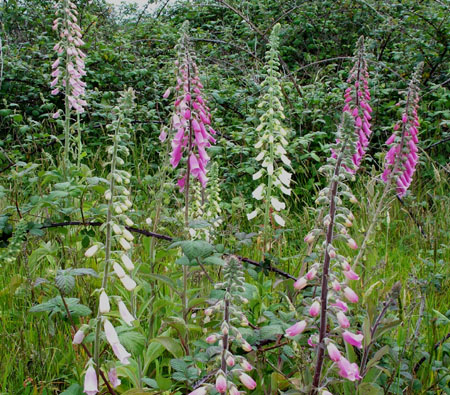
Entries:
{"x":326,"y":267}
{"x":107,"y":246}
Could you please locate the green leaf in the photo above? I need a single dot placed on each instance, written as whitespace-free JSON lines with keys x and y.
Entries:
{"x":84,"y":272}
{"x":133,"y":341}
{"x":150,"y":382}
{"x":194,"y":248}
{"x":179,"y":365}
{"x":378,"y":355}
{"x":74,"y":389}
{"x":170,"y":345}
{"x":65,"y":283}
{"x":214,"y":260}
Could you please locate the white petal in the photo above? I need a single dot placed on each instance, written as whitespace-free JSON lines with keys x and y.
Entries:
{"x":277,"y":205}
{"x":280,"y":221}
{"x":253,"y":214}
{"x":257,"y":193}
{"x":261,"y":156}
{"x":258,"y":175}
{"x":285,"y":160}
{"x":285,"y":177}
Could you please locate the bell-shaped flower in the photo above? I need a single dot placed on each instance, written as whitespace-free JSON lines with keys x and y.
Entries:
{"x":350,"y":295}
{"x":296,"y":329}
{"x":342,"y":319}
{"x":125,"y":314}
{"x":333,"y":352}
{"x":104,"y":305}
{"x":113,"y":379}
{"x":354,"y":340}
{"x":348,"y":370}
{"x":90,"y":381}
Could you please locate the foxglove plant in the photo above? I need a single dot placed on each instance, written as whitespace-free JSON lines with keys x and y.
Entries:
{"x":69,"y":67}
{"x":330,"y":309}
{"x":191,"y":119}
{"x":118,"y":241}
{"x":402,"y":157}
{"x":357,"y":98}
{"x":272,"y":142}
{"x":232,"y":367}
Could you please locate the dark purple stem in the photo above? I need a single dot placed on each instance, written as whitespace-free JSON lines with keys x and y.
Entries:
{"x":326,"y":267}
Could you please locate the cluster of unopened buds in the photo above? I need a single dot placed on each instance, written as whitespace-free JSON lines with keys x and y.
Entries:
{"x":230,"y":365}
{"x":402,"y":157}
{"x":191,"y":119}
{"x":69,"y":67}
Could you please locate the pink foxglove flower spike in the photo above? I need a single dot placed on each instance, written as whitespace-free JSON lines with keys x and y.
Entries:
{"x":69,"y":68}
{"x":191,"y":119}
{"x":357,"y":98}
{"x":402,"y":157}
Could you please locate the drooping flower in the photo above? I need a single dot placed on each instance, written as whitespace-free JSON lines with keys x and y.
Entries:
{"x":342,"y":319}
{"x":91,"y":251}
{"x":90,"y":381}
{"x":348,"y":370}
{"x":125,"y":314}
{"x":110,"y":333}
{"x":333,"y":352}
{"x":246,"y":365}
{"x":296,"y":329}
{"x":354,"y":340}
{"x":300,"y":283}
{"x":113,"y":379}
{"x":104,"y":305}
{"x":78,"y":337}
{"x":350,"y":295}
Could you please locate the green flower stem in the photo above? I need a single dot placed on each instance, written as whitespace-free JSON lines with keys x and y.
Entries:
{"x":107,"y":244}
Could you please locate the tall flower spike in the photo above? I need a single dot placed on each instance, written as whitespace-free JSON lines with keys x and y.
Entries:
{"x":357,"y":98}
{"x":118,"y":240}
{"x":231,"y":367}
{"x":402,"y":157}
{"x":68,"y":68}
{"x":191,"y":120}
{"x":335,"y":269}
{"x":272,"y":141}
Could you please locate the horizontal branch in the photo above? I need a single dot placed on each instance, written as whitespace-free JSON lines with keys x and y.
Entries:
{"x":147,"y":233}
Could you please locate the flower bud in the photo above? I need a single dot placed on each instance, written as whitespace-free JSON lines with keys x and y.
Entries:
{"x":128,"y":283}
{"x":221,"y":383}
{"x":104,"y":305}
{"x":127,"y":262}
{"x":127,"y":234}
{"x":91,"y":251}
{"x":230,"y":361}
